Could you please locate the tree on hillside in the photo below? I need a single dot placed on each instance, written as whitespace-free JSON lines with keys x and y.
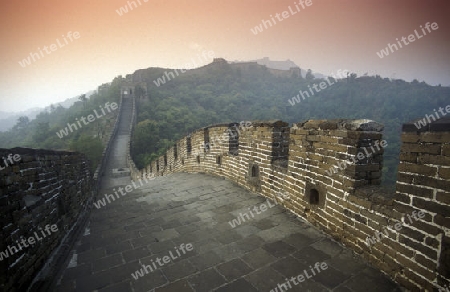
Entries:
{"x":139,"y":91}
{"x":83,"y":99}
{"x":91,"y":147}
{"x":41,"y":132}
{"x":309,"y":75}
{"x":22,"y":123}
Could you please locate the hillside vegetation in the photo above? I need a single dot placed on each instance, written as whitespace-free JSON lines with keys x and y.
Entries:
{"x":220,"y":92}
{"x":89,"y":139}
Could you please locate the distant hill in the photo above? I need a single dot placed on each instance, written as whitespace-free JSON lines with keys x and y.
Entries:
{"x":9,"y":119}
{"x":280,"y":65}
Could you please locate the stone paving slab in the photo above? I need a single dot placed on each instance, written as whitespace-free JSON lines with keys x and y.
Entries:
{"x":260,"y":254}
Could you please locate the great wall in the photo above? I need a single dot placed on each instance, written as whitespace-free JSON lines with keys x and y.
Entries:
{"x":267,"y":158}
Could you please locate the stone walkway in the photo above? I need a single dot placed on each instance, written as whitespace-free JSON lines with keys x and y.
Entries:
{"x":161,"y":218}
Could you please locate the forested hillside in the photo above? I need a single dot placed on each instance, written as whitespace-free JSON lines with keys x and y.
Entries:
{"x":220,"y":92}
{"x":89,"y":139}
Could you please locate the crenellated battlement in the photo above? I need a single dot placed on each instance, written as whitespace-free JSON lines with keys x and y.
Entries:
{"x":329,"y":172}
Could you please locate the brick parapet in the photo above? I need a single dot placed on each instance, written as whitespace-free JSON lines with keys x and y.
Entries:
{"x":349,"y":204}
{"x":44,"y":187}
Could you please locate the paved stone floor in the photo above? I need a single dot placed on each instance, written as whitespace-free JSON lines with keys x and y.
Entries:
{"x":258,"y":255}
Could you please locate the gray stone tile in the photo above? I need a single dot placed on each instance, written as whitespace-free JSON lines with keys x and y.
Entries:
{"x":229,"y":251}
{"x":118,"y":247}
{"x":181,"y":285}
{"x":240,"y":285}
{"x":372,"y":281}
{"x":234,"y":269}
{"x":206,"y":280}
{"x":330,"y":278}
{"x":179,"y":270}
{"x":328,"y":246}
{"x":123,"y":272}
{"x":279,"y":248}
{"x":264,"y":279}
{"x":120,"y":287}
{"x":310,"y":255}
{"x":205,"y":260}
{"x":258,"y":258}
{"x":166,"y":234}
{"x":149,"y":281}
{"x":347,"y":262}
{"x":136,"y":254}
{"x":289,"y":267}
{"x":226,"y":238}
{"x":107,"y":262}
{"x":299,"y":240}
{"x":93,"y":282}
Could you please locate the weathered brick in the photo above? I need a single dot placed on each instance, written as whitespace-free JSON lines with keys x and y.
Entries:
{"x":435,"y":137}
{"x":410,"y":138}
{"x":429,"y":252}
{"x":419,"y":169}
{"x":421,"y":148}
{"x":414,"y":190}
{"x":433,"y":159}
{"x":442,"y":221}
{"x":431,"y":206}
{"x":444,"y":173}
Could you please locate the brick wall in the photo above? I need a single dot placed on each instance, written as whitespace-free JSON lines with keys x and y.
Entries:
{"x":44,"y":187}
{"x":293,"y":165}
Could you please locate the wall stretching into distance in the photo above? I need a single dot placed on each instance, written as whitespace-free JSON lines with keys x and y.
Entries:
{"x":271,"y":158}
{"x":45,"y":187}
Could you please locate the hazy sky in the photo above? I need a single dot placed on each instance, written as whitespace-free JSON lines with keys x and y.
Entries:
{"x":326,"y":36}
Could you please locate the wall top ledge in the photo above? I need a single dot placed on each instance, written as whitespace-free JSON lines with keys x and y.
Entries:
{"x":269,"y":123}
{"x":441,"y":125}
{"x":21,"y":150}
{"x":341,"y":124}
